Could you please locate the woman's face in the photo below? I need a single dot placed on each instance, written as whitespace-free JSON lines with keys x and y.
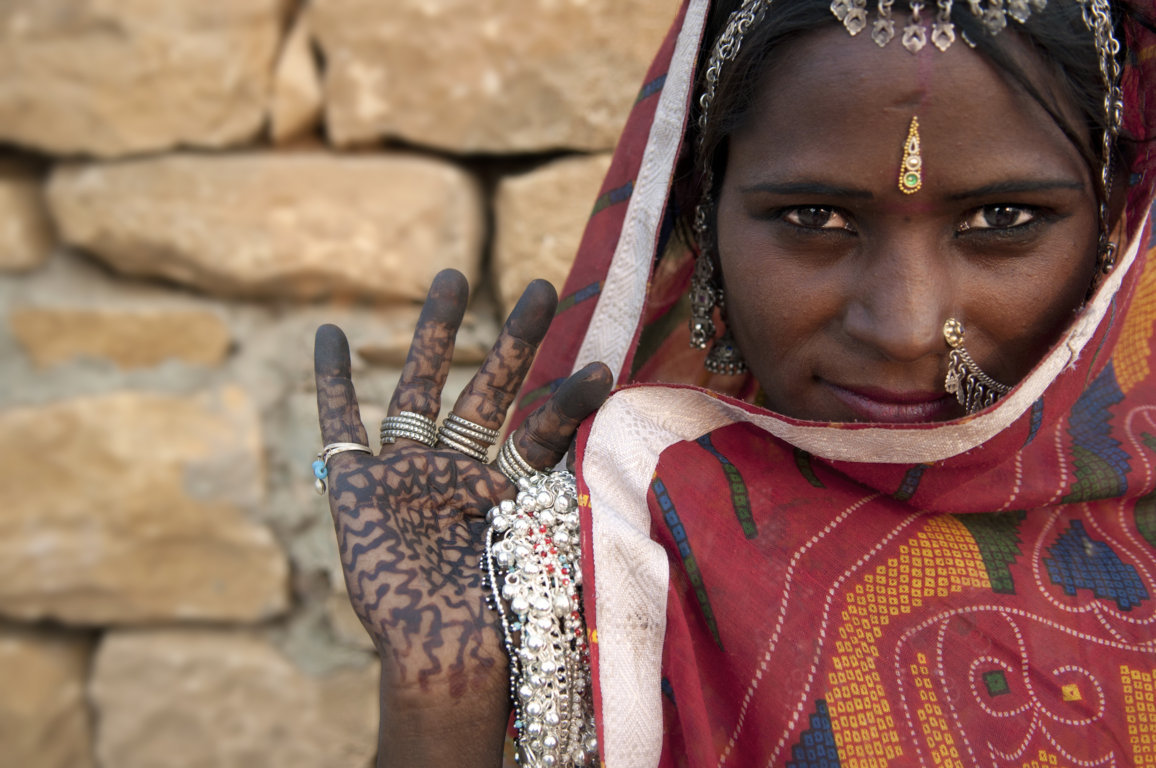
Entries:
{"x":838,"y":284}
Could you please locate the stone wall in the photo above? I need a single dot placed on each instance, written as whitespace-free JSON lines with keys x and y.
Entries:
{"x":187,"y":189}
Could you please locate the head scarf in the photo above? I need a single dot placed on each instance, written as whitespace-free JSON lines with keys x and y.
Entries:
{"x":766,"y":590}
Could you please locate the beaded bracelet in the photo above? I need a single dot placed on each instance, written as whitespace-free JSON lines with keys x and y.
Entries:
{"x":533,"y":565}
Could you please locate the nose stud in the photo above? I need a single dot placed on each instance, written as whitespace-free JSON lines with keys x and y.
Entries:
{"x":973,"y":388}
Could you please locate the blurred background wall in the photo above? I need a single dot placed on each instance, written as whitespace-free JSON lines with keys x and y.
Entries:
{"x":187,"y":189}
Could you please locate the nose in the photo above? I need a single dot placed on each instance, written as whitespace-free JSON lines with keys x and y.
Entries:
{"x":901,"y":295}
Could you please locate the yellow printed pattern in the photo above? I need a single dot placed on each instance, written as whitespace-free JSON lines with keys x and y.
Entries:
{"x":1130,"y":359}
{"x":1045,"y":759}
{"x":941,"y":559}
{"x":932,"y":722}
{"x":1140,"y":713}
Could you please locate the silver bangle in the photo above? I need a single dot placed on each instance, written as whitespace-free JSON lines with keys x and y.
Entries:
{"x":408,"y":425}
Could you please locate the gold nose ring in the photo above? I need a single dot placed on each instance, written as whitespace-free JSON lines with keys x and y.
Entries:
{"x":973,"y":388}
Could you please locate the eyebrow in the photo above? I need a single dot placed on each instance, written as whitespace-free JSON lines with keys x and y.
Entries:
{"x":814,"y":188}
{"x":1014,"y":186}
{"x":820,"y":189}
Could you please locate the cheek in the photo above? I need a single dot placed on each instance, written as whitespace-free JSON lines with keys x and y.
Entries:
{"x":777,"y":311}
{"x":777,"y":305}
{"x":1024,"y":315}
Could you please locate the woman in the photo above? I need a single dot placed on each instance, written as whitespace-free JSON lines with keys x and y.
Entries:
{"x":922,"y":532}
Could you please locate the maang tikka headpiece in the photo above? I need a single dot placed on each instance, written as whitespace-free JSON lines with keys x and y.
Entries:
{"x":706,"y":294}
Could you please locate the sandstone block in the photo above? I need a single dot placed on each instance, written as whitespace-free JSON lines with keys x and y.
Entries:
{"x":114,"y":78}
{"x":44,"y":719}
{"x":128,"y":338}
{"x":26,"y":237}
{"x":297,"y":103}
{"x":486,"y":75}
{"x":299,"y":225}
{"x":540,"y":217}
{"x":172,"y":699}
{"x":131,"y":507}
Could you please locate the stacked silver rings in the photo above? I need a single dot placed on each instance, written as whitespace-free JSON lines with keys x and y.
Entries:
{"x":408,"y":425}
{"x":457,"y":433}
{"x":511,"y":463}
{"x":463,"y":435}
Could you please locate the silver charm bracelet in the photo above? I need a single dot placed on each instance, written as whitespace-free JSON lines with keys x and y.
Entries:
{"x":533,"y":565}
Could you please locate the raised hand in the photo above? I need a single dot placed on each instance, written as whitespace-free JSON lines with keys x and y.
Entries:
{"x":410,"y":524}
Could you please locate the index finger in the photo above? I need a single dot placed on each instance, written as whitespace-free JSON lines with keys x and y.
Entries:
{"x":337,"y":410}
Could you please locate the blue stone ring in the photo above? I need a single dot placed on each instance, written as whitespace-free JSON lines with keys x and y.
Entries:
{"x":320,"y":466}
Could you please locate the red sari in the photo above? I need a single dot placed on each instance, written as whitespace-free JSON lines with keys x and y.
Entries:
{"x":766,"y":591}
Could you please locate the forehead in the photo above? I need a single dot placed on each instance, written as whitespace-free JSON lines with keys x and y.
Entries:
{"x":829,"y":96}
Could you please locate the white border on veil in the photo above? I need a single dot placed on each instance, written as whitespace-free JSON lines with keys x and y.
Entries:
{"x":629,"y":661}
{"x":619,"y":310}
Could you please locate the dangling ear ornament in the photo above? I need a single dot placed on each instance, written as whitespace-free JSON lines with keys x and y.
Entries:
{"x":703,"y":300}
{"x":973,"y":388}
{"x":1105,"y":255}
{"x":724,"y":356}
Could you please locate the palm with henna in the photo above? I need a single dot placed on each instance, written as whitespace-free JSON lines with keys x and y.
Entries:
{"x":410,"y":524}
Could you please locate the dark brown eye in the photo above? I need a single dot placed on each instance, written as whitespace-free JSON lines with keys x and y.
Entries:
{"x":999,"y":217}
{"x":816,"y":217}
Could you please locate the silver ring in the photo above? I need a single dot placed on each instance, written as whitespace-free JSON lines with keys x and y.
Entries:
{"x":455,"y":431}
{"x":331,"y":450}
{"x":472,"y":430}
{"x":321,"y":465}
{"x":397,"y":433}
{"x":472,"y":439}
{"x":511,"y":464}
{"x":408,"y":425}
{"x":465,"y":445}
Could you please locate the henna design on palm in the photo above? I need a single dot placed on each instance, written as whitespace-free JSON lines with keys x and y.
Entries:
{"x":410,"y":521}
{"x":410,"y":539}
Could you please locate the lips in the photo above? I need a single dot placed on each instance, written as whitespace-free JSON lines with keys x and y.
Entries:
{"x":886,"y":406}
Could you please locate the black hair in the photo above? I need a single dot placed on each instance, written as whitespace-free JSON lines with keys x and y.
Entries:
{"x":1057,"y":35}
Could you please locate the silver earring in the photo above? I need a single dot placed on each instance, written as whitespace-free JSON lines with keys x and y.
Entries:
{"x":724,"y":356}
{"x":705,"y":295}
{"x":973,"y":388}
{"x":703,"y":299}
{"x":1105,"y":255}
